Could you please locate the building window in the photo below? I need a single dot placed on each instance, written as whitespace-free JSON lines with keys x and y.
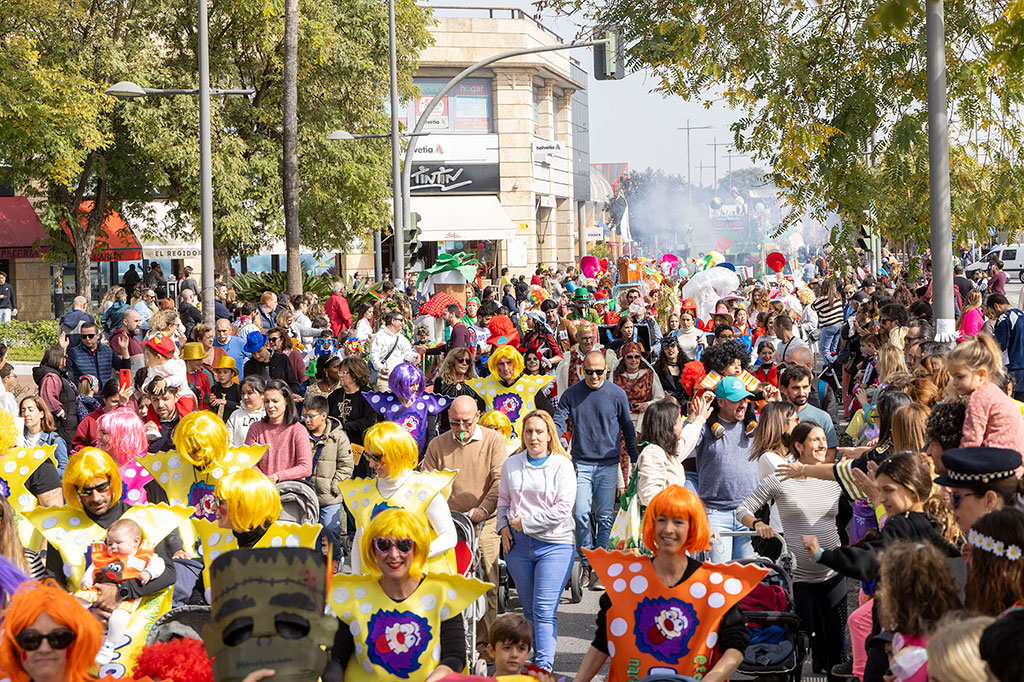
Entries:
{"x":466,"y":109}
{"x":536,"y":110}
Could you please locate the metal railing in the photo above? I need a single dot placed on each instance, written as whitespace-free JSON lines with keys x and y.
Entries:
{"x":493,"y":13}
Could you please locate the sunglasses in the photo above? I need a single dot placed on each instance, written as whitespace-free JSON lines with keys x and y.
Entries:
{"x":374,"y":457}
{"x":384,"y":545}
{"x":955,"y":499}
{"x":593,"y":372}
{"x":101,"y":488}
{"x":30,"y":640}
{"x":88,"y":336}
{"x":632,"y":357}
{"x":462,"y":361}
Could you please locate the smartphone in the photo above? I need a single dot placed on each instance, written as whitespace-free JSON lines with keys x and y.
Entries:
{"x":126,"y":379}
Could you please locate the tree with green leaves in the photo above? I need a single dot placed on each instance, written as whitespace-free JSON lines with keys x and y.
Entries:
{"x":833,"y":98}
{"x":86,"y":155}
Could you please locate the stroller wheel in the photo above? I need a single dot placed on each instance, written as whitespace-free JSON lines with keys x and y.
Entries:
{"x":502,"y":599}
{"x":576,"y":583}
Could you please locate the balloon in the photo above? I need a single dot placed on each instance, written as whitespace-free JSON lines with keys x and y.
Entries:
{"x":776,"y":261}
{"x":588,"y":265}
{"x":603,"y":265}
{"x":707,"y":286}
{"x":759,"y":207}
{"x":716,"y":203}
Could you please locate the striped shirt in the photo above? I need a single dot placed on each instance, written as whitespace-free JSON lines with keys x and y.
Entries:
{"x":828,"y":315}
{"x":806,"y":507}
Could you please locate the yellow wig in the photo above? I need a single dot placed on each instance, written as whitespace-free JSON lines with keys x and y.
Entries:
{"x":497,"y":420}
{"x":397,"y":524}
{"x":396,"y":446}
{"x":506,"y":353}
{"x":252,"y":500}
{"x":8,"y":432}
{"x":201,"y":439}
{"x":677,"y":502}
{"x":85,"y":466}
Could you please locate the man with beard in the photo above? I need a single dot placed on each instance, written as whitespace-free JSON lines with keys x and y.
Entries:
{"x":570,"y":370}
{"x":795,"y":384}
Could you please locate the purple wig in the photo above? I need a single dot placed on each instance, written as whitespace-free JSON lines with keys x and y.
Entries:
{"x":127,"y":434}
{"x":10,"y":579}
{"x":406,"y":381}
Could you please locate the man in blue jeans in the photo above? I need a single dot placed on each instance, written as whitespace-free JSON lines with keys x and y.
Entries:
{"x":726,"y":476}
{"x":599,"y":411}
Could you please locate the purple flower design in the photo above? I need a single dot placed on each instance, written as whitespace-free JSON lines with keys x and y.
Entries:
{"x":5,"y":488}
{"x":511,"y":404}
{"x":664,"y":628}
{"x":395,"y":640}
{"x":202,"y":499}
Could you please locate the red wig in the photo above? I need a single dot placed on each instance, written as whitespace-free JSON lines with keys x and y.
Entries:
{"x":179,"y":660}
{"x":34,"y":599}
{"x":677,"y":502}
{"x":693,"y":374}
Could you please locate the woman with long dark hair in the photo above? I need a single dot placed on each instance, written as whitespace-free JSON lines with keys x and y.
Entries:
{"x":670,"y":440}
{"x":57,"y":391}
{"x":289,"y":457}
{"x":669,"y":368}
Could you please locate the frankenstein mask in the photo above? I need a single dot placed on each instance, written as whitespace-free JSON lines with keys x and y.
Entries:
{"x":268,"y":612}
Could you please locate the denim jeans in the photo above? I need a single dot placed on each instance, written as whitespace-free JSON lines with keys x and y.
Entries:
{"x":691,"y":481}
{"x":595,"y":494}
{"x":330,"y":519}
{"x":828,"y":344}
{"x":540,"y":570}
{"x":5,"y":314}
{"x":728,"y":549}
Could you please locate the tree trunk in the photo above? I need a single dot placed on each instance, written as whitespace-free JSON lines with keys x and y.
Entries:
{"x":290,"y":170}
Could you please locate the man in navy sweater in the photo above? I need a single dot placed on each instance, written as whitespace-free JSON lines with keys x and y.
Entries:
{"x":599,"y":411}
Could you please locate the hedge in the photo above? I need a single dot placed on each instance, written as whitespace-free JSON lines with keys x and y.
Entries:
{"x":18,"y":334}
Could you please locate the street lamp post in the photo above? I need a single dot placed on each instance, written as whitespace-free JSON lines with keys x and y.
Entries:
{"x":129,"y":90}
{"x":689,"y":177}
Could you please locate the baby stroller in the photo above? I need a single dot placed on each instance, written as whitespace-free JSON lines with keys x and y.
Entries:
{"x":467,"y":553}
{"x":298,"y":503}
{"x":506,"y":585}
{"x":777,"y":646}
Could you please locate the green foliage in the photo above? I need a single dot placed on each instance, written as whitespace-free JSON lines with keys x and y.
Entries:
{"x":600,"y":250}
{"x":820,"y":86}
{"x":363,"y":292}
{"x":250,"y":285}
{"x":18,"y":334}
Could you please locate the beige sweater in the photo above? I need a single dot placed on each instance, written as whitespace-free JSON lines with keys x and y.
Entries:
{"x":657,"y":471}
{"x":478,"y":462}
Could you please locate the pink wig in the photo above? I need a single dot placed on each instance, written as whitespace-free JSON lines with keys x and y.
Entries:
{"x":127,"y":434}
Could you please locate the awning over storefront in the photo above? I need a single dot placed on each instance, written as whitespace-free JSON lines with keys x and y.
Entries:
{"x":163,"y":247}
{"x":115,"y":241}
{"x":20,"y":229}
{"x":457,"y":218}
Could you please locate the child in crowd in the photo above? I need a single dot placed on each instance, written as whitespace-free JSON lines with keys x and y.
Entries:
{"x":250,"y":411}
{"x":767,"y":371}
{"x":225,"y":392}
{"x":953,"y":654}
{"x":121,"y":557}
{"x":87,"y":401}
{"x":511,"y":639}
{"x":992,"y":419}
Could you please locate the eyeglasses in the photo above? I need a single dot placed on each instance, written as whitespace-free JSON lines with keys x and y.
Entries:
{"x":88,"y":336}
{"x":311,"y":415}
{"x":461,"y":422}
{"x":30,"y":640}
{"x":101,"y":488}
{"x":632,"y":357}
{"x":374,"y":457}
{"x":593,"y":372}
{"x":955,"y":499}
{"x":384,"y":545}
{"x":462,"y":361}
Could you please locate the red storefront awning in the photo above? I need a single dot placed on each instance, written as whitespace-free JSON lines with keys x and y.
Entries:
{"x":20,"y":229}
{"x":115,"y":241}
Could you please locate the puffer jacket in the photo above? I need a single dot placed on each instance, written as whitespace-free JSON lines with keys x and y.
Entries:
{"x":332,"y":463}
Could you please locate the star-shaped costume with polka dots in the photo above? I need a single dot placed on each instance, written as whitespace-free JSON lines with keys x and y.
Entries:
{"x":365,"y":501}
{"x":654,"y":628}
{"x":16,"y":466}
{"x":399,"y":640}
{"x":413,"y":417}
{"x":515,"y":401}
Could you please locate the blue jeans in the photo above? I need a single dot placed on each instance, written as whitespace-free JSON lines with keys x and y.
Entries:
{"x":595,"y":493}
{"x":828,"y":344}
{"x":540,"y":570}
{"x":691,"y":481}
{"x":330,"y":519}
{"x":728,"y":549}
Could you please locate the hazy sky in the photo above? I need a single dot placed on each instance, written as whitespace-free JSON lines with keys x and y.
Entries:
{"x":629,"y":123}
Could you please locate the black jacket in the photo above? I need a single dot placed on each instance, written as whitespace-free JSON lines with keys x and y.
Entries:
{"x":190,"y":317}
{"x":7,"y":291}
{"x":68,"y":424}
{"x":278,"y":367}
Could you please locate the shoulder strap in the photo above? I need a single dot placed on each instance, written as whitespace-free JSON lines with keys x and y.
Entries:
{"x":393,"y":347}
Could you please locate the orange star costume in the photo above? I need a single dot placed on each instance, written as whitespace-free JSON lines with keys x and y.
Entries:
{"x":653,"y":628}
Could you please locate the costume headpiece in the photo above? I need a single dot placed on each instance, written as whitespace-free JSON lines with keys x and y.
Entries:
{"x":396,"y":446}
{"x":201,"y":438}
{"x":503,"y":332}
{"x":993,"y":546}
{"x":89,"y":464}
{"x":406,"y":381}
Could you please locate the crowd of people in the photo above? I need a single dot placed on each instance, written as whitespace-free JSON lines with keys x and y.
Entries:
{"x":808,"y":418}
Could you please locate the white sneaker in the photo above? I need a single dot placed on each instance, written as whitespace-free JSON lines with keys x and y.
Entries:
{"x":105,"y":655}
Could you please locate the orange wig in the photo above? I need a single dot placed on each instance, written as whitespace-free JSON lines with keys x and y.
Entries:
{"x":676,"y":502}
{"x":28,"y":603}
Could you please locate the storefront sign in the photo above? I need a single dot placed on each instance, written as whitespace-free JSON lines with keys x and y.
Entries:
{"x":19,"y":252}
{"x":454,"y":178}
{"x":461,"y":148}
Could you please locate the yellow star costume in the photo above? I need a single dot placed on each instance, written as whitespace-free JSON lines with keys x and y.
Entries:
{"x":72,"y":533}
{"x":16,"y":466}
{"x":515,"y":401}
{"x":365,"y":501}
{"x":398,"y":640}
{"x":214,"y":540}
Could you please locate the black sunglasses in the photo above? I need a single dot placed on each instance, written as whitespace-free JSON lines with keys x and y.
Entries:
{"x":30,"y":640}
{"x":88,"y":336}
{"x":462,"y":361}
{"x":955,"y":499}
{"x":374,"y":457}
{"x":101,"y":488}
{"x":593,"y":372}
{"x":384,"y":545}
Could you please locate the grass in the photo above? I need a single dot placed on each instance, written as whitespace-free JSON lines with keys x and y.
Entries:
{"x":26,"y":354}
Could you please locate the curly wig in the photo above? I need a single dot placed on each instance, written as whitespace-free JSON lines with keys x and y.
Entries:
{"x":398,"y":524}
{"x":34,"y":599}
{"x":87,"y":465}
{"x":693,"y":373}
{"x":201,"y":439}
{"x":721,"y":355}
{"x":397,"y":448}
{"x":127,"y":434}
{"x":676,"y":501}
{"x":406,"y":381}
{"x":178,"y":660}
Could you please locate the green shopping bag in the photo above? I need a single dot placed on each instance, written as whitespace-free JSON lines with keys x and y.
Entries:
{"x":626,"y":533}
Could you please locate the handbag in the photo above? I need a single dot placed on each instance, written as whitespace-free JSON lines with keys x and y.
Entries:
{"x":626,"y":529}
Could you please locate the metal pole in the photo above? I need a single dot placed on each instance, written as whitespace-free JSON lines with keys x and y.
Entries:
{"x":421,"y":122}
{"x":205,"y":169}
{"x":378,"y":264}
{"x":689,"y":178}
{"x":398,"y":269}
{"x":938,"y":182}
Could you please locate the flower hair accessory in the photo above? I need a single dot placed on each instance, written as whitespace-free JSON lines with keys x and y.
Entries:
{"x":993,"y":546}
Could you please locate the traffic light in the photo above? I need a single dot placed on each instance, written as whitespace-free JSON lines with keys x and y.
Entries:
{"x":866,"y":240}
{"x":411,"y":240}
{"x":609,"y":57}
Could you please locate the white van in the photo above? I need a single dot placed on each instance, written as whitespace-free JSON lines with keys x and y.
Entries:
{"x":1012,"y":256}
